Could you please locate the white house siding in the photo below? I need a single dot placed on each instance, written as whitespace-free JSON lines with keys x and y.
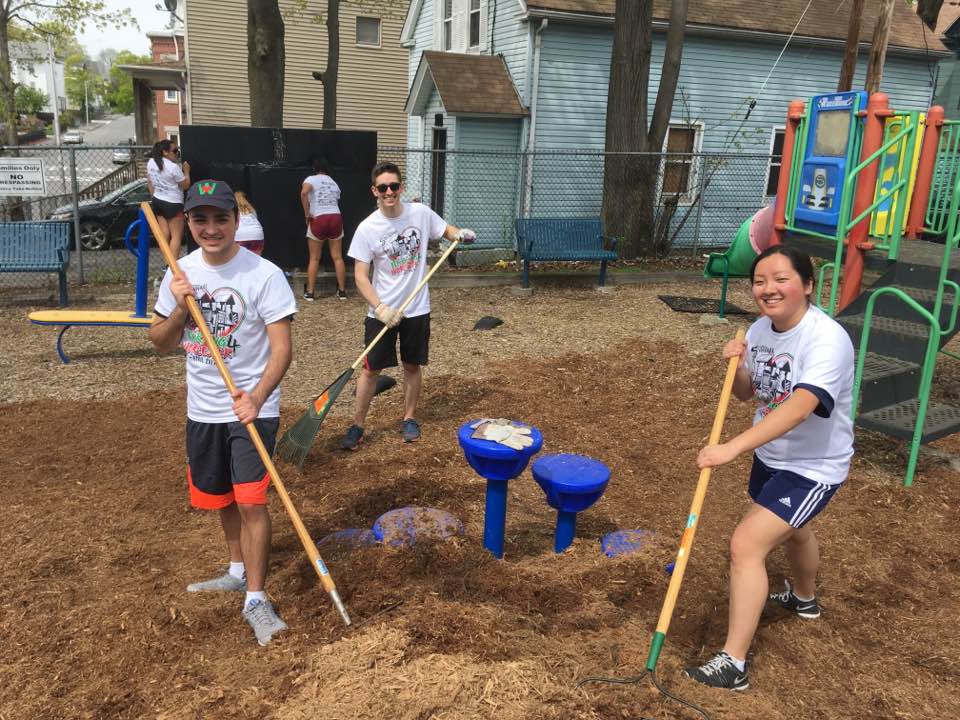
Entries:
{"x":371,"y":88}
{"x":487,"y":184}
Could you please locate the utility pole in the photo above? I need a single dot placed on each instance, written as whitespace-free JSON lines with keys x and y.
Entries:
{"x":849,"y":66}
{"x":878,"y":46}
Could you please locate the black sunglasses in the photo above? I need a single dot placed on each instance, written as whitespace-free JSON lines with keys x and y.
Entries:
{"x":383,"y":187}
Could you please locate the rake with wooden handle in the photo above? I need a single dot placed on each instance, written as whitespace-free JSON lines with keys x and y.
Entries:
{"x":296,"y":442}
{"x":325,"y":579}
{"x":686,"y":540}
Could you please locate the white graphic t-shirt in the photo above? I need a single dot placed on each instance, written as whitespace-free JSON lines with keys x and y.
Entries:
{"x":397,"y":248}
{"x":238,"y":300}
{"x":165,"y":180}
{"x":816,"y":355}
{"x":324,"y":195}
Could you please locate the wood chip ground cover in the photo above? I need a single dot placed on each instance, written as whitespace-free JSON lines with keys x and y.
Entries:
{"x":100,"y":543}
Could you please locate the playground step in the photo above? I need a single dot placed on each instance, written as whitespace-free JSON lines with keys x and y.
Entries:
{"x":899,"y":420}
{"x":893,"y":307}
{"x":889,"y":336}
{"x":887,"y":381}
{"x":925,"y":252}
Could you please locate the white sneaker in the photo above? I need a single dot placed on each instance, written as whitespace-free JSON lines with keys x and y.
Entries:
{"x":224,"y":583}
{"x":264,"y":620}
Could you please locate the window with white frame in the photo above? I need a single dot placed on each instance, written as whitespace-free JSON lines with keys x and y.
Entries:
{"x":448,"y":24}
{"x":368,"y":31}
{"x":170,"y":96}
{"x":678,"y":168}
{"x":473,"y":23}
{"x":776,"y":160}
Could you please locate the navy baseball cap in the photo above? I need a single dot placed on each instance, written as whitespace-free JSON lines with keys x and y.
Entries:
{"x":210,"y":192}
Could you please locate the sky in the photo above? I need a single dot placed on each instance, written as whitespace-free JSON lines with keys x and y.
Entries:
{"x":148,"y":17}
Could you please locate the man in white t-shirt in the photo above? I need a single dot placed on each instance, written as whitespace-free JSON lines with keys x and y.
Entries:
{"x":393,"y":241}
{"x":248,"y":307}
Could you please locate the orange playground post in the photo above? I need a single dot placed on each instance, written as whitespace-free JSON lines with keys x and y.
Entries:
{"x":857,"y":241}
{"x":925,"y":168}
{"x":795,"y":112}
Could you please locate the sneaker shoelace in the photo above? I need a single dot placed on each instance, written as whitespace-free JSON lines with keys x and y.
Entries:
{"x":716,"y":665}
{"x":785,"y":595}
{"x":262,"y":615}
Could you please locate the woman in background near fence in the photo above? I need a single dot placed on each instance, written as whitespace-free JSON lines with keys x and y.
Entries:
{"x":320,"y":197}
{"x":249,"y":229}
{"x":167,"y":180}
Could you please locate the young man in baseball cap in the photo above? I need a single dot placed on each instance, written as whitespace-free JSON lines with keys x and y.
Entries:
{"x":248,"y":306}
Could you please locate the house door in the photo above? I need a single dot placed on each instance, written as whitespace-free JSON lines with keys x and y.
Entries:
{"x":438,"y":170}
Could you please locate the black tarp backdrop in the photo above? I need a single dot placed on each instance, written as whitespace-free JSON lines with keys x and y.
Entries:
{"x":270,"y":164}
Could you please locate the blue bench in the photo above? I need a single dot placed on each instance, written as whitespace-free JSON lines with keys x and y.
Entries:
{"x":564,"y":239}
{"x":42,"y":246}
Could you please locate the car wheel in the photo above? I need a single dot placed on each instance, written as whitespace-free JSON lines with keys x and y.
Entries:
{"x":93,"y":235}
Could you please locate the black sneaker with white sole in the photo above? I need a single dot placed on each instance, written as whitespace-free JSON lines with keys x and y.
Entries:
{"x":808,"y":609}
{"x":720,"y":672}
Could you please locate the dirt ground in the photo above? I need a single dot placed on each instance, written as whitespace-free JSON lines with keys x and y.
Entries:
{"x":100,"y":541}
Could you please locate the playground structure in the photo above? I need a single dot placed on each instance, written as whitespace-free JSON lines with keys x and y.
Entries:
{"x":137,"y":241}
{"x":870,"y":188}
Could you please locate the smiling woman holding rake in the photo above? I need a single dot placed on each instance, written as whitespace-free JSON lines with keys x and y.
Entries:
{"x":797,"y":364}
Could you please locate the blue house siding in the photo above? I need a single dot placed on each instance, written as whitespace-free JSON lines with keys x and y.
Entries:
{"x":509,"y":36}
{"x":491,"y":204}
{"x":717,"y":79}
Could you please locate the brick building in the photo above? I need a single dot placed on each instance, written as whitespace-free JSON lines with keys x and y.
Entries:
{"x":167,"y":48}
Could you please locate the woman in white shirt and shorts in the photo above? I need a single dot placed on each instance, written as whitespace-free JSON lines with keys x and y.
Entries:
{"x":320,"y":197}
{"x":167,"y":180}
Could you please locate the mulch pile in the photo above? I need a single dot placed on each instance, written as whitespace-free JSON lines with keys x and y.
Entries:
{"x":100,"y":542}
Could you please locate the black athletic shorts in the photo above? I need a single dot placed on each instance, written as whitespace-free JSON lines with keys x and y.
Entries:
{"x":224,"y":465}
{"x":414,"y":336}
{"x":165,"y":209}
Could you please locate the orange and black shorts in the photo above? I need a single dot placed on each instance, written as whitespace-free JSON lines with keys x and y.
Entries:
{"x":223,"y":463}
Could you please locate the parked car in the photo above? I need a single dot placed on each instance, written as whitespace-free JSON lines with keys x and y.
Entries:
{"x":103,"y":222}
{"x":121,"y":156}
{"x":72,"y":137}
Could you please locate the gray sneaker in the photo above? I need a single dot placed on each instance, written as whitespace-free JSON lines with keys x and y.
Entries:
{"x":224,"y":583}
{"x":264,"y":620}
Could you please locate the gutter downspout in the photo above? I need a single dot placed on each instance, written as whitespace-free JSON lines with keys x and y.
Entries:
{"x":532,"y":135}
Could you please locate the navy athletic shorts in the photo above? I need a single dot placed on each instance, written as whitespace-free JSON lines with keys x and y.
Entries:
{"x":791,"y":497}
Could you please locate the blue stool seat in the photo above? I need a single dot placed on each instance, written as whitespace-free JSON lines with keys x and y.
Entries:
{"x":492,"y":460}
{"x":406,"y":526}
{"x":572,"y":482}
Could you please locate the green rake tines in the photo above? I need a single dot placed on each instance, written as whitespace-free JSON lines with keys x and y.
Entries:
{"x":296,"y":442}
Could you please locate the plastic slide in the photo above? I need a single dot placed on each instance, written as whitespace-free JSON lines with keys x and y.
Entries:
{"x":752,"y":238}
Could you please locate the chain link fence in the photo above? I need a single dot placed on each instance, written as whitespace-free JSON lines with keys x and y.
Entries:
{"x":98,"y":190}
{"x":693,"y":201}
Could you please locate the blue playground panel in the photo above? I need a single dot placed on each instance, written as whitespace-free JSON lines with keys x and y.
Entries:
{"x":497,"y":464}
{"x":831,"y":135}
{"x":624,"y":542}
{"x":572,"y":483}
{"x":406,"y":526}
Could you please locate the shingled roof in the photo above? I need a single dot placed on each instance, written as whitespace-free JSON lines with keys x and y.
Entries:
{"x":824,"y":19}
{"x":467,"y":84}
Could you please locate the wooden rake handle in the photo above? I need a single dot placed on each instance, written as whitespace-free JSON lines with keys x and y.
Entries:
{"x":409,"y":299}
{"x":325,"y":579}
{"x":686,"y":540}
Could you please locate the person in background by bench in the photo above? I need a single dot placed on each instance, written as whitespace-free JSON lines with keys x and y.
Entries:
{"x":167,"y":180}
{"x":393,"y":241}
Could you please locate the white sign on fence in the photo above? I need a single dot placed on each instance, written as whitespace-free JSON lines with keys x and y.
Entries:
{"x":21,"y":176}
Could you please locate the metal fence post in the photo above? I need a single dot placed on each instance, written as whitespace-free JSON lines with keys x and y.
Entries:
{"x":701,"y":188}
{"x":76,"y":212}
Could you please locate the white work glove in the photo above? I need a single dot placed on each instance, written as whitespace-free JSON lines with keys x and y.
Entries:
{"x":466,"y":236}
{"x":389,"y":316}
{"x":503,"y":431}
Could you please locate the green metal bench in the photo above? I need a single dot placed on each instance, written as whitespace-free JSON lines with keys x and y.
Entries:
{"x":563,"y":239}
{"x":42,"y":246}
